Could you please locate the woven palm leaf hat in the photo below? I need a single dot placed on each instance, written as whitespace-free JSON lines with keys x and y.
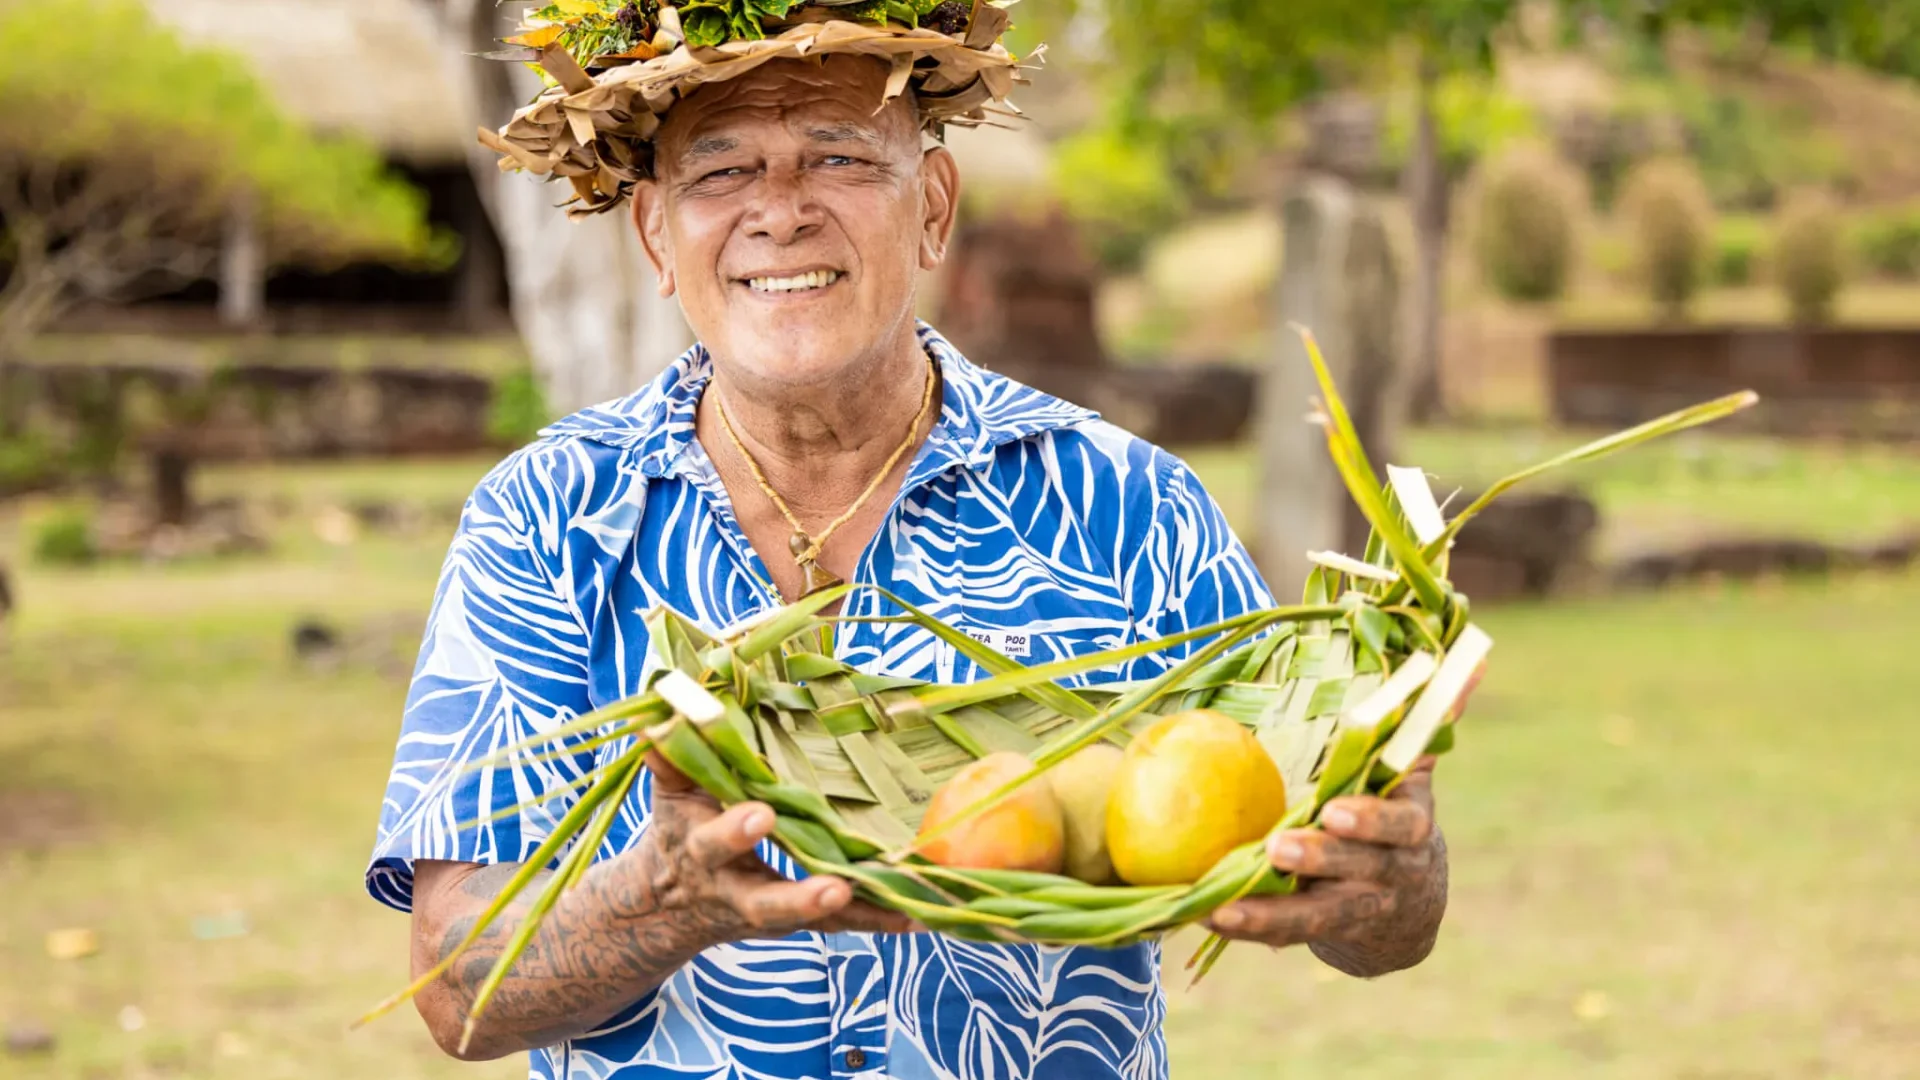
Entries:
{"x":612,"y":68}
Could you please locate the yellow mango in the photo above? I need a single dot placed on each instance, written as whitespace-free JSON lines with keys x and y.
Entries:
{"x":1190,"y":788}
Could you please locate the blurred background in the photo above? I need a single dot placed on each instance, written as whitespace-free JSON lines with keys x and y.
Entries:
{"x":267,"y":313}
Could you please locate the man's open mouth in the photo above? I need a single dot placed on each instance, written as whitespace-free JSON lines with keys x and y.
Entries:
{"x":812,"y":279}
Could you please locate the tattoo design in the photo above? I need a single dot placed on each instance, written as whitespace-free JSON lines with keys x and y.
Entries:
{"x":630,"y":924}
{"x":1408,"y":933}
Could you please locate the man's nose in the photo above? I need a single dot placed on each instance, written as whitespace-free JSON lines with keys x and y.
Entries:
{"x":784,"y":208}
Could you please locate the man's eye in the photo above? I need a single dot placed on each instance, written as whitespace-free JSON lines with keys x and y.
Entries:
{"x":839,"y":159}
{"x":722,"y":174}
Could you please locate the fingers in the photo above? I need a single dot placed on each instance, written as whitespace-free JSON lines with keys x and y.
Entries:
{"x":777,"y":906}
{"x":860,"y":917}
{"x":1320,"y":855}
{"x":1328,"y":911}
{"x":1403,"y":820}
{"x":728,"y":836}
{"x":771,"y":905}
{"x":666,"y":778}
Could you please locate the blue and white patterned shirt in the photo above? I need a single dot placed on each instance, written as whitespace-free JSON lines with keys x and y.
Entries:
{"x":1023,"y":519}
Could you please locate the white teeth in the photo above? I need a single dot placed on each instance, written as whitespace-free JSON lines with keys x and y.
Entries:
{"x":817,"y":279}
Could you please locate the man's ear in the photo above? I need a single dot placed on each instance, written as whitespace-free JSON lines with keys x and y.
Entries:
{"x":940,"y":184}
{"x":650,"y":221}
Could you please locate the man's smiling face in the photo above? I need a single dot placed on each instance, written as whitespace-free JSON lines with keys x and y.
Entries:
{"x":791,"y":219}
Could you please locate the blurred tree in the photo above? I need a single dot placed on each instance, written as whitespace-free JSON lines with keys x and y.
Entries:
{"x":1882,"y":35}
{"x":585,"y":298}
{"x":124,"y":152}
{"x":1447,"y":35}
{"x":1199,"y":76}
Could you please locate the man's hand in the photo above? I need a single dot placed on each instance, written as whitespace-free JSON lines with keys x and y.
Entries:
{"x":697,"y":862}
{"x":1373,"y":883}
{"x":692,"y":881}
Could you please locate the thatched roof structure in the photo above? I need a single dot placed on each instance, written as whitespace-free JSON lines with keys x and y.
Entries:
{"x":376,"y":70}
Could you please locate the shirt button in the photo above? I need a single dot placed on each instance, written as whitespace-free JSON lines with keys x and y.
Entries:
{"x":856,"y":1058}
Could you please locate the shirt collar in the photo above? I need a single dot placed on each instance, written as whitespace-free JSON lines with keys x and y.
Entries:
{"x":980,"y":412}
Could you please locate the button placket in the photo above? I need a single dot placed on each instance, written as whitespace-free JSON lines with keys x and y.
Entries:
{"x":851,"y":966}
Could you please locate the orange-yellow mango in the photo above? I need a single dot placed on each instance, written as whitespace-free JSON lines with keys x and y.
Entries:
{"x":1025,"y":831}
{"x":1191,"y":787}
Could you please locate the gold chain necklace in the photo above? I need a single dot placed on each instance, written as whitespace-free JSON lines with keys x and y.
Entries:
{"x":806,"y":549}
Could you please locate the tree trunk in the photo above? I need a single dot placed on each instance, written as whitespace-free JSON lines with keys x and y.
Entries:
{"x":584,"y":297}
{"x":1428,"y":192}
{"x":243,"y":269}
{"x":172,"y":492}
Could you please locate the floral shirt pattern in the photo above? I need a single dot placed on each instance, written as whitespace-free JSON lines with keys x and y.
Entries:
{"x":1029,"y":522}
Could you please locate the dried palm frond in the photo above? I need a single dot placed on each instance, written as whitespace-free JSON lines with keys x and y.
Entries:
{"x":1345,"y":691}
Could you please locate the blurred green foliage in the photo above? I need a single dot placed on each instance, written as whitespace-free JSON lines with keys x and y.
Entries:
{"x":1476,"y":120}
{"x":99,"y":85}
{"x":1527,"y":222}
{"x":1887,"y":241}
{"x":27,"y":461}
{"x":519,"y":409}
{"x":1882,"y":35}
{"x":1740,"y":244}
{"x":64,"y":537}
{"x":1809,"y":257}
{"x":1747,"y":153}
{"x":1123,"y":191}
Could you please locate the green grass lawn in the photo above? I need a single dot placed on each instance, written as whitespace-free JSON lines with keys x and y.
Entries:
{"x":1683,"y":844}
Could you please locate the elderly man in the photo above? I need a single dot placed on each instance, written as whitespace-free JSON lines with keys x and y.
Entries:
{"x":818,"y":432}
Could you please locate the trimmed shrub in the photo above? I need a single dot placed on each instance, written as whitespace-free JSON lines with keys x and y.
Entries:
{"x":1809,"y":260}
{"x":1527,"y":223}
{"x":1671,"y":221}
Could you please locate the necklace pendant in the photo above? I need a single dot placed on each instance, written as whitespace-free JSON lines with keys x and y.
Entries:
{"x":817,"y":579}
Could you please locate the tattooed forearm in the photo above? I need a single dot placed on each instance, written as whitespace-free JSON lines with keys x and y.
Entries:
{"x":1407,"y":936}
{"x":604,"y":945}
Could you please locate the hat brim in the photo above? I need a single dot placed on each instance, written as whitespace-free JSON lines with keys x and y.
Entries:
{"x":596,"y":130}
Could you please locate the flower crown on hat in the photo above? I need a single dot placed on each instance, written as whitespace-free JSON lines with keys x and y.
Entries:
{"x":612,"y":68}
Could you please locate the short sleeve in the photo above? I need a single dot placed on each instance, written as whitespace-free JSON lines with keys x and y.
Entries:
{"x":503,"y":658}
{"x":1190,"y":570}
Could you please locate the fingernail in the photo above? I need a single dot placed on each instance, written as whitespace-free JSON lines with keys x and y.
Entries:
{"x":1335,"y":817}
{"x":834,"y":893}
{"x":759,"y":822}
{"x":1286,"y":852}
{"x":1229,"y":918}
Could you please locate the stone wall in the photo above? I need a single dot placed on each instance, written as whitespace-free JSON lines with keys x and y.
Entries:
{"x":250,"y":411}
{"x":1841,"y":382}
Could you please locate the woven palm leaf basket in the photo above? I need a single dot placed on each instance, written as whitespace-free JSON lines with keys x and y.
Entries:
{"x":1344,"y":692}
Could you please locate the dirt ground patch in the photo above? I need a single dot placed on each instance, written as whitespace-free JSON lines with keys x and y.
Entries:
{"x":35,"y":821}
